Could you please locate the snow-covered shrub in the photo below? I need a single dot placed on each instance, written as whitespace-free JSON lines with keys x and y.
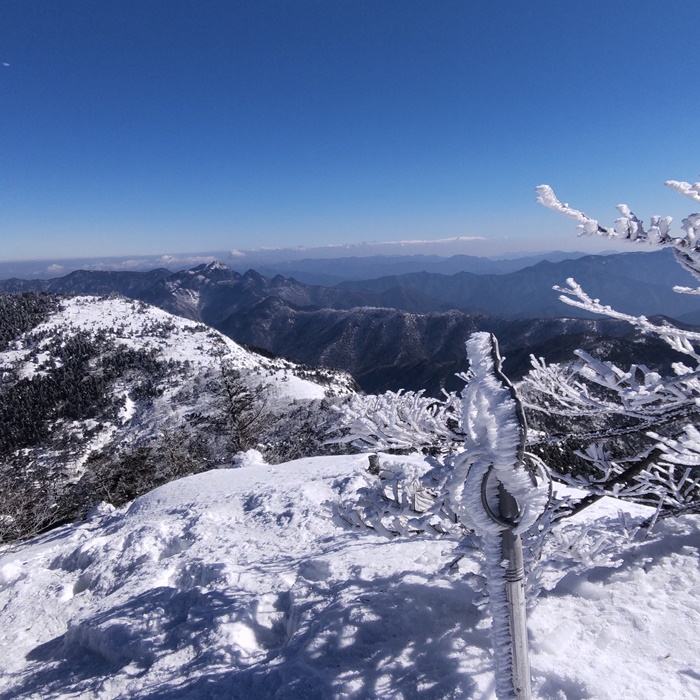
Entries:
{"x":241,"y":409}
{"x":403,"y":421}
{"x":31,"y":501}
{"x":647,"y":448}
{"x":300,"y":431}
{"x":404,"y":498}
{"x":121,"y":476}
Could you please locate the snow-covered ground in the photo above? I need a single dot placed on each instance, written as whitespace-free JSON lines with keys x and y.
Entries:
{"x":241,"y":583}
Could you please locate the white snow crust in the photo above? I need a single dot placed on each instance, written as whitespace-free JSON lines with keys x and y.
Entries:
{"x":241,"y":583}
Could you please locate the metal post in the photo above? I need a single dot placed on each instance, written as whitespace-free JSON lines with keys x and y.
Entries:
{"x":512,"y":548}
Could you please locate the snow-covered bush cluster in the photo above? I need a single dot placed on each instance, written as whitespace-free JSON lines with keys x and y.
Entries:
{"x":646,"y":446}
{"x":398,"y":421}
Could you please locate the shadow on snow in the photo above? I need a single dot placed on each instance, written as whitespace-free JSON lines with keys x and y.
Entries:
{"x":383,"y":638}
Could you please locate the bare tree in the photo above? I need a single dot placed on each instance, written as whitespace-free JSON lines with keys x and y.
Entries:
{"x":244,"y":408}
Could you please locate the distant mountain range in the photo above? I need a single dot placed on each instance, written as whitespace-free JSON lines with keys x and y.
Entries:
{"x":631,"y":282}
{"x":331,"y":271}
{"x":409,"y":330}
{"x":327,"y":265}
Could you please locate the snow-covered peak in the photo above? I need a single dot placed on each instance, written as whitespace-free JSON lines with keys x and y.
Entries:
{"x":214,"y":271}
{"x":217,"y":265}
{"x":213,"y":266}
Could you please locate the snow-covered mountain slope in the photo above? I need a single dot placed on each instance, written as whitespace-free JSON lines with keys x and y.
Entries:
{"x":158,"y":369}
{"x":242,"y":584}
{"x":136,"y":325}
{"x":106,"y":398}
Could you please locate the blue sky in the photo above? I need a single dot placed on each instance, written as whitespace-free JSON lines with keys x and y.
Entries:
{"x":140,"y":127}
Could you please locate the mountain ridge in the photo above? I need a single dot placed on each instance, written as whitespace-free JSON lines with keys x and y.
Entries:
{"x":420,"y":320}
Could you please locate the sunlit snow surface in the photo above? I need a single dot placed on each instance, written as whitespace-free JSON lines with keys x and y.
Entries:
{"x":240,"y":583}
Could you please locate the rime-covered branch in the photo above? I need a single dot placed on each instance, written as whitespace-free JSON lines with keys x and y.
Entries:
{"x":679,"y":339}
{"x":398,"y":421}
{"x":686,"y":245}
{"x":668,"y":474}
{"x":685,"y":188}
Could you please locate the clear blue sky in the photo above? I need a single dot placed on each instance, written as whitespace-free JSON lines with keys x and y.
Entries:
{"x":142,"y":126}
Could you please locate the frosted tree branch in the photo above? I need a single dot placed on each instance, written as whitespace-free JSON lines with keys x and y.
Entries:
{"x":679,"y":339}
{"x":685,"y":188}
{"x":588,"y":226}
{"x":666,"y":475}
{"x":686,"y":246}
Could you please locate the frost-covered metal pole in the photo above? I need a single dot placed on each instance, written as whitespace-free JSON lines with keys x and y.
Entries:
{"x":512,"y":547}
{"x":508,"y":516}
{"x":501,"y":498}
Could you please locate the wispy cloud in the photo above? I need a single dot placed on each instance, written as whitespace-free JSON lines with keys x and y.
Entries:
{"x":147,"y":263}
{"x":366,"y":244}
{"x":428,"y":241}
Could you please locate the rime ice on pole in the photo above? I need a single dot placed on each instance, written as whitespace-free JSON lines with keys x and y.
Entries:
{"x":492,"y":489}
{"x":495,"y":438}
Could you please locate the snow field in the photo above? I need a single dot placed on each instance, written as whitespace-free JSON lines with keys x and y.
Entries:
{"x":243,"y":584}
{"x":628,"y":631}
{"x":237,"y":569}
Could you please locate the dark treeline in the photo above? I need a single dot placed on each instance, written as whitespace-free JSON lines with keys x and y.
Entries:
{"x":77,"y":384}
{"x":20,"y":313}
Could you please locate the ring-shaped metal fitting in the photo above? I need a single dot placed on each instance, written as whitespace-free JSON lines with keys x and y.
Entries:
{"x":497,"y":517}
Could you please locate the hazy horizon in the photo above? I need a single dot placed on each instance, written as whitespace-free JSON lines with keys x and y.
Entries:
{"x":57,"y":267}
